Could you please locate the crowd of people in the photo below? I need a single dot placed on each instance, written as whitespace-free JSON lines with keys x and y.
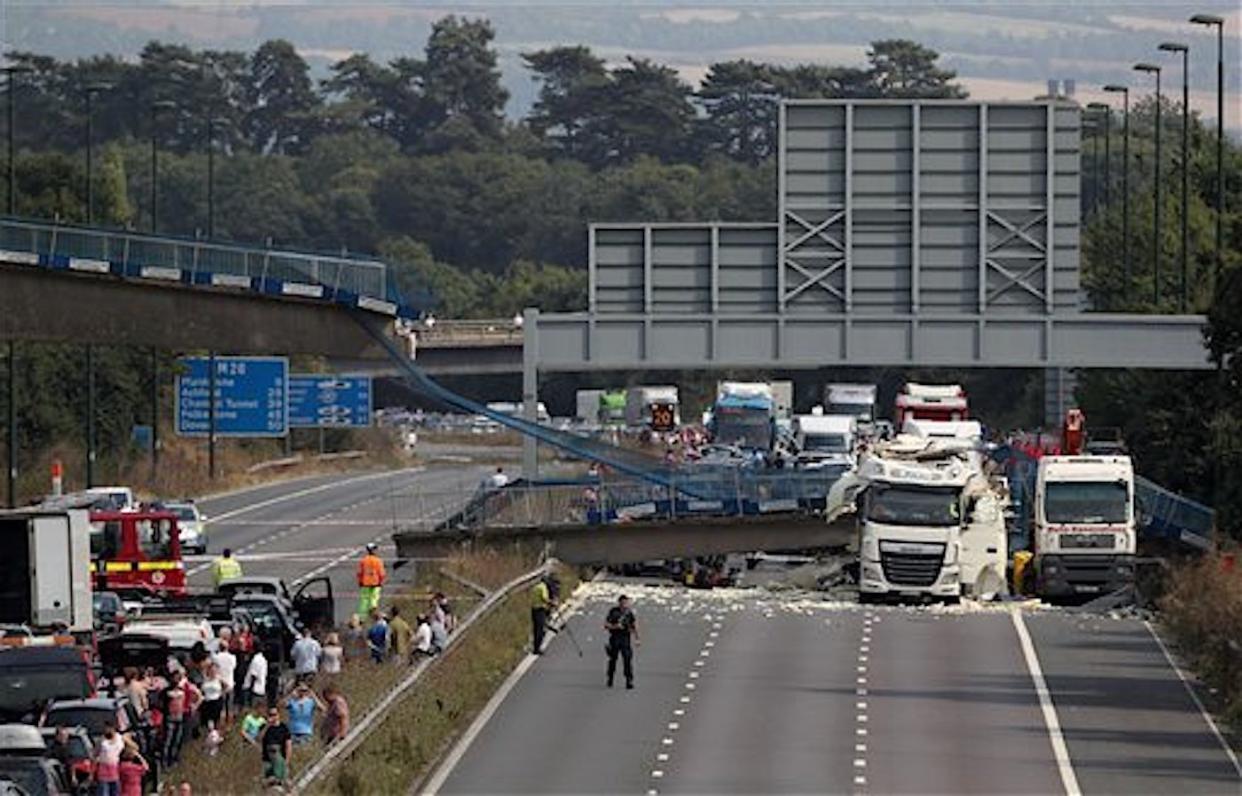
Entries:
{"x":235,"y":684}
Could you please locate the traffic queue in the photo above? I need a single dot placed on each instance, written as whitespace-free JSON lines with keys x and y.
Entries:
{"x":107,"y":662}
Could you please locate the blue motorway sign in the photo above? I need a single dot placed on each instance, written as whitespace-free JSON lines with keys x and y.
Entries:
{"x":251,"y":397}
{"x":326,"y":400}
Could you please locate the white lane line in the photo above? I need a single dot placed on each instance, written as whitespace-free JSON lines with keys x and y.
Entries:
{"x":666,"y":741}
{"x":662,"y":757}
{"x":301,"y":493}
{"x":685,"y":700}
{"x":1069,"y":781}
{"x":1195,"y":698}
{"x":657,"y":773}
{"x":860,"y":747}
{"x":672,"y":725}
{"x":861,"y":732}
{"x":860,"y":763}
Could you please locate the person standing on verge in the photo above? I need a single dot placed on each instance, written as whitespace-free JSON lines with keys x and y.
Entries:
{"x":400,"y":635}
{"x":622,"y":629}
{"x":225,"y":567}
{"x":371,"y":577}
{"x":306,"y":652}
{"x":540,"y":605}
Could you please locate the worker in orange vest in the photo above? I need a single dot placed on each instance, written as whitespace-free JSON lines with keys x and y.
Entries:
{"x":371,"y":577}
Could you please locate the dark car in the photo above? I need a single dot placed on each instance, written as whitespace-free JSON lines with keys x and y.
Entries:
{"x":36,"y":776}
{"x":93,"y":715}
{"x":109,"y":611}
{"x":30,"y":677}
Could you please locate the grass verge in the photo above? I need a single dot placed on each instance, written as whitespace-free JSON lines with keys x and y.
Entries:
{"x":424,"y":725}
{"x":236,"y":768}
{"x":1202,"y":611}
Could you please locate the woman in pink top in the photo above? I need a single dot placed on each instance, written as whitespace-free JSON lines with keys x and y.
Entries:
{"x":108,"y":762}
{"x":132,"y":769}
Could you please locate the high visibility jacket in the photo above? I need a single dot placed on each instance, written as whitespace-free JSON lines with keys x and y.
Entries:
{"x":539,"y":597}
{"x":371,"y":571}
{"x":223,"y":569}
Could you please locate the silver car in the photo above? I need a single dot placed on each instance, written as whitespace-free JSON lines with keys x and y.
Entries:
{"x":192,"y":526}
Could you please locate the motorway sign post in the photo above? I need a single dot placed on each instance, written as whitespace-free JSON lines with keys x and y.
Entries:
{"x":323,"y":400}
{"x":251,"y":397}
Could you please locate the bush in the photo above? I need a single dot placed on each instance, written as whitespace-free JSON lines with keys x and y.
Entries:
{"x":1203,"y":611}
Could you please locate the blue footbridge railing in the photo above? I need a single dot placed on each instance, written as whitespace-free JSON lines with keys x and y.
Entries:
{"x":355,"y":282}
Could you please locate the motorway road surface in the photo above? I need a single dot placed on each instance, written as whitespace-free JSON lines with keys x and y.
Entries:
{"x":313,"y":527}
{"x":755,"y":692}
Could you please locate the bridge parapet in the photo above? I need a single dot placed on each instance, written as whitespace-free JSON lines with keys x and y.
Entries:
{"x":352,"y":281}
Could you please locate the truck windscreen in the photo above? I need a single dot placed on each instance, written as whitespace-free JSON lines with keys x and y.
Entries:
{"x":898,"y":504}
{"x":745,"y":429}
{"x":861,"y":411}
{"x":826,"y":443}
{"x":1086,"y":502}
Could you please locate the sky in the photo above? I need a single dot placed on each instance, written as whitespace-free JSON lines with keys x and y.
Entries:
{"x":1001,"y":50}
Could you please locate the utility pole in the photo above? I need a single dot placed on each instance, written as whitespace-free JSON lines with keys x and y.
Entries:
{"x":1125,"y":184}
{"x":12,"y":438}
{"x":1176,"y":47}
{"x":91,"y":91}
{"x":1155,"y":236}
{"x":90,"y":415}
{"x":1219,"y":23}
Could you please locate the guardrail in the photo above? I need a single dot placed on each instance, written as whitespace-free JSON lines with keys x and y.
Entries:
{"x":375,"y":716}
{"x":354,"y":281}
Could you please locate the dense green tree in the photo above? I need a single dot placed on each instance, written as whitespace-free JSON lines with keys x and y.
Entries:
{"x":742,"y":101}
{"x":460,"y":79}
{"x":282,"y":101}
{"x":903,"y":68}
{"x":573,"y":85}
{"x":650,"y":113}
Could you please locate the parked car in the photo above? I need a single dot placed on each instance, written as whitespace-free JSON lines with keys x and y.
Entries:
{"x":30,"y":677}
{"x":192,"y":525}
{"x":182,"y":631}
{"x":33,"y":775}
{"x":94,"y":715}
{"x":81,"y":752}
{"x":109,"y":611}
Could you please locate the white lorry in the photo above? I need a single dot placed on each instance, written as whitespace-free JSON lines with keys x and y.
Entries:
{"x":1085,"y":537}
{"x":656,"y":408}
{"x":930,"y":520}
{"x":945,"y":402}
{"x":857,"y":400}
{"x":825,"y":440}
{"x":46,"y":584}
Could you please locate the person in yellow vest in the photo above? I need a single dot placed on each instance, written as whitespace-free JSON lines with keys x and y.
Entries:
{"x":540,"y":603}
{"x":225,"y":567}
{"x":371,"y":577}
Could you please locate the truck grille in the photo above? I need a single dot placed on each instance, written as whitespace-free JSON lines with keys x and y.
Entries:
{"x":1093,"y":569}
{"x":1082,"y":541}
{"x":911,"y":569}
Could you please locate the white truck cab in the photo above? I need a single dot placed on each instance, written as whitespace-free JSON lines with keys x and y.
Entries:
{"x":1085,"y":537}
{"x":910,"y":524}
{"x":825,"y":440}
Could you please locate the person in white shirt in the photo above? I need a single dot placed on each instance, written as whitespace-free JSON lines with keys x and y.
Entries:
{"x":255,"y":684}
{"x":226,"y":668}
{"x":422,"y":638}
{"x":306,"y":652}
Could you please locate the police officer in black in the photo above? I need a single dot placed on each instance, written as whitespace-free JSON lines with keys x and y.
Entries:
{"x":622,"y":630}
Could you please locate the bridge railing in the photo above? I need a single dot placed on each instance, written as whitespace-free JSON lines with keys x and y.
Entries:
{"x":197,"y":261}
{"x":456,"y":333}
{"x":711,"y":492}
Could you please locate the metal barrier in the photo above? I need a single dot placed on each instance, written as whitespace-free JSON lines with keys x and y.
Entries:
{"x":596,"y":501}
{"x":354,"y":281}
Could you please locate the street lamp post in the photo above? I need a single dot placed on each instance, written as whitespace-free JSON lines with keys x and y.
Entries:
{"x":1155,"y":246}
{"x":1175,"y":47}
{"x":1125,"y":182}
{"x":1219,"y":23}
{"x":91,"y":90}
{"x":211,"y":174}
{"x":11,"y":72}
{"x":1107,"y":113}
{"x":156,"y":107}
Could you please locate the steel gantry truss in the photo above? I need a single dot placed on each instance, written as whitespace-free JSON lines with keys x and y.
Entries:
{"x":908,"y":232}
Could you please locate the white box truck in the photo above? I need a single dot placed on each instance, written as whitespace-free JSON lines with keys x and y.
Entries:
{"x":825,"y":440}
{"x":857,"y":400}
{"x":46,"y":581}
{"x":1085,"y":536}
{"x":656,"y":408}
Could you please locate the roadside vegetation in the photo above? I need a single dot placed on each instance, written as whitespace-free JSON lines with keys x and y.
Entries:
{"x":236,"y":768}
{"x":421,"y":728}
{"x":1202,"y":610}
